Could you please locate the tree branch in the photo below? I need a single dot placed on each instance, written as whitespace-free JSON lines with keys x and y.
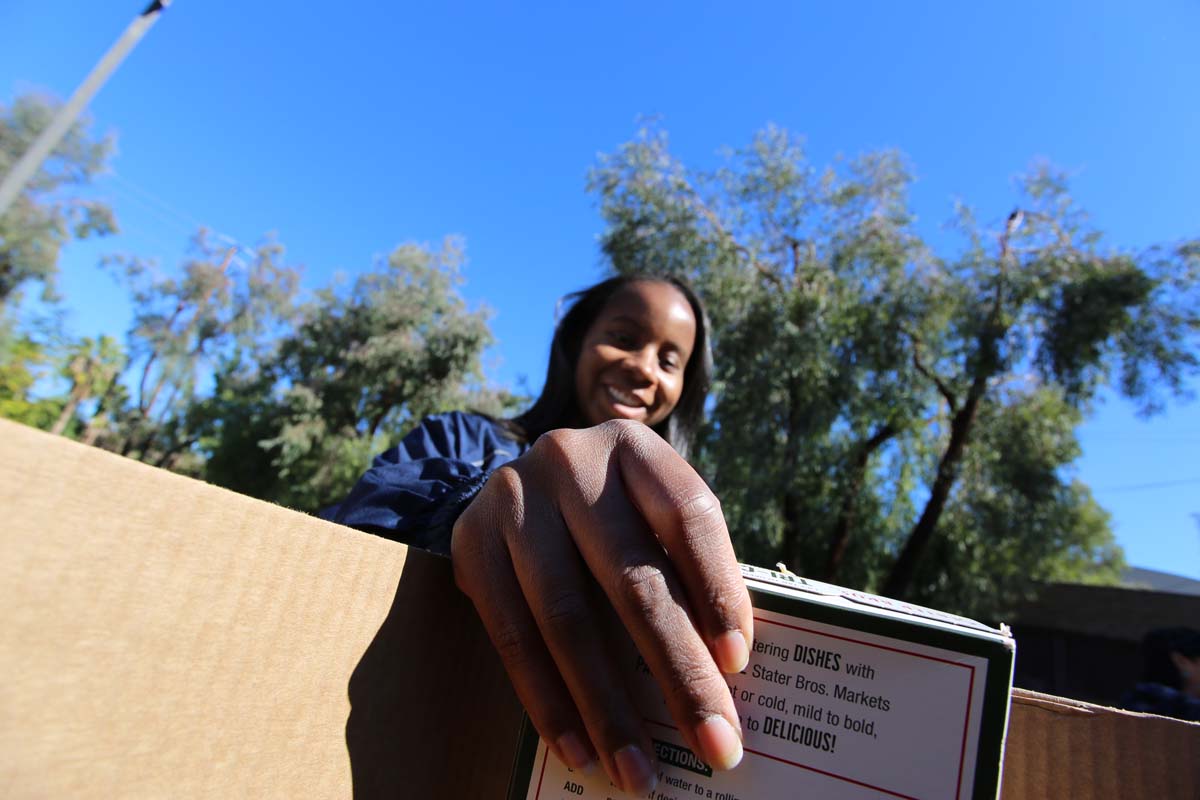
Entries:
{"x":710,"y":216}
{"x":794,"y":244}
{"x":844,"y":525}
{"x":920,"y":367}
{"x":941,"y":386}
{"x":143,"y":406}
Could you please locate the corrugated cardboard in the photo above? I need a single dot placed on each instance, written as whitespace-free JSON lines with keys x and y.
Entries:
{"x":1059,"y":748}
{"x":164,"y":638}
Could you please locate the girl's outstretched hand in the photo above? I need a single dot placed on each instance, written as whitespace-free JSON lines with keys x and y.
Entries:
{"x":592,"y":521}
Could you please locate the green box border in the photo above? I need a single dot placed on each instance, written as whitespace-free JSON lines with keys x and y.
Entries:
{"x":999,"y":653}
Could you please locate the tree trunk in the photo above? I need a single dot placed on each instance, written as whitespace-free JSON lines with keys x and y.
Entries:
{"x":844,"y":524}
{"x":791,"y":549}
{"x":68,"y":413}
{"x":900,"y":577}
{"x":169,"y":457}
{"x":7,"y":281}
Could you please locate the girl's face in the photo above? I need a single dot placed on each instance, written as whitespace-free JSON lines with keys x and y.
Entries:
{"x":632,"y":359}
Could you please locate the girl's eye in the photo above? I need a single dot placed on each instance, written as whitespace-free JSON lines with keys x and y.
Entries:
{"x":670,"y":363}
{"x":622,"y":339}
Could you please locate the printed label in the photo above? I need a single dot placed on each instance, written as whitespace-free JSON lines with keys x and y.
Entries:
{"x":827,"y":712}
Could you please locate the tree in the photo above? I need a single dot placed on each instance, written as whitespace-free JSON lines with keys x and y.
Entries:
{"x":224,"y":375}
{"x":217,"y":310}
{"x":89,"y":368}
{"x":870,"y":391}
{"x":24,"y":359}
{"x":363,"y":364}
{"x":45,"y":375}
{"x":50,"y":210}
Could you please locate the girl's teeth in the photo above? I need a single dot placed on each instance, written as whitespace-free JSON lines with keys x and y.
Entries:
{"x":622,"y":398}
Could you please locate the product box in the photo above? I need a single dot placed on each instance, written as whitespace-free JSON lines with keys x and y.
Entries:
{"x":847,"y":696}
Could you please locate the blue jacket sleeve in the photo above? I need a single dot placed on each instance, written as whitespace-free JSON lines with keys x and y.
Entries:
{"x":415,"y":492}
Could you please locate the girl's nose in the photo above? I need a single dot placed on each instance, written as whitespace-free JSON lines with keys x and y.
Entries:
{"x":642,"y":362}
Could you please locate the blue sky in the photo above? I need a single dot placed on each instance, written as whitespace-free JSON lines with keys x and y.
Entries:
{"x":347,"y":129}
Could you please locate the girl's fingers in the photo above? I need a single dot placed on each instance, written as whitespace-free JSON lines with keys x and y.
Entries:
{"x":679,"y":613}
{"x":484,"y":572}
{"x":590,"y":522}
{"x":565,"y":604}
{"x":686,"y":518}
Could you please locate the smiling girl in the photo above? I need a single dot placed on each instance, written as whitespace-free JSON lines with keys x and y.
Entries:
{"x":582,"y":507}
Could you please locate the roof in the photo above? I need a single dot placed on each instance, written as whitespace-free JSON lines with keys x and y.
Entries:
{"x":1142,"y":578}
{"x":1148,"y":600}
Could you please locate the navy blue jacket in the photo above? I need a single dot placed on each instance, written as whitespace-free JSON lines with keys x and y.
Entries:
{"x":415,"y":492}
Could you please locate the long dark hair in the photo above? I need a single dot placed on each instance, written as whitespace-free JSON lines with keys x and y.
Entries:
{"x":558,"y":407}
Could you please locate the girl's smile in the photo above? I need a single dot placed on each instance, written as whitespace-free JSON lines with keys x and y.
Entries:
{"x":632,"y":359}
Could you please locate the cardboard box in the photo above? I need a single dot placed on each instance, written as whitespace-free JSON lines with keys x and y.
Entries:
{"x":161,"y":637}
{"x":847,"y":696}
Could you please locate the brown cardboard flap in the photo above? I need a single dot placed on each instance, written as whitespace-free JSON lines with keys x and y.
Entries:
{"x":165,"y":638}
{"x":1060,"y":748}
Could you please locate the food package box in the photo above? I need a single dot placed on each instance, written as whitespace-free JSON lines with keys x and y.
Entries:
{"x":847,"y":696}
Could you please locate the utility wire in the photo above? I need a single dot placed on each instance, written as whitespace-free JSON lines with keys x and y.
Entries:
{"x":184,"y":220}
{"x":172,"y":215}
{"x":1138,"y":487}
{"x":48,"y":139}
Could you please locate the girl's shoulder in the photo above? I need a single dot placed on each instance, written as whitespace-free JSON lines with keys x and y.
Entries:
{"x":460,"y":435}
{"x":471,"y":425}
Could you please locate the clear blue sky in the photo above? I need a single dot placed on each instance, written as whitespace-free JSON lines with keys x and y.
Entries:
{"x":348,"y":128}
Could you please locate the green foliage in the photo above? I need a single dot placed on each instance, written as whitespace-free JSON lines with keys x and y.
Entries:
{"x":363,"y":364}
{"x":88,"y":368}
{"x":886,"y":416}
{"x":24,"y":360}
{"x":221,"y":306}
{"x":229,"y":377}
{"x":1016,"y":516}
{"x":50,"y":210}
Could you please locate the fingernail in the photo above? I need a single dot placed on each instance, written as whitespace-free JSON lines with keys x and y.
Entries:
{"x":573,"y":752}
{"x":637,"y":773}
{"x":720,"y":743}
{"x":731,"y":652}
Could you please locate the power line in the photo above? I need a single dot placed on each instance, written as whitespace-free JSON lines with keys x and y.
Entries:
{"x":173,"y":216}
{"x":28,"y":164}
{"x":154,"y":201}
{"x":1137,"y":487}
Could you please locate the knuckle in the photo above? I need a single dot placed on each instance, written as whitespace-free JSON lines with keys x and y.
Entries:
{"x":703,"y":508}
{"x":512,"y":644}
{"x":700,"y":520}
{"x":555,"y":446}
{"x":625,"y":427}
{"x":504,"y":484}
{"x":628,"y":433}
{"x":477,"y":547}
{"x":566,"y":617}
{"x":645,"y":588}
{"x":693,"y":683}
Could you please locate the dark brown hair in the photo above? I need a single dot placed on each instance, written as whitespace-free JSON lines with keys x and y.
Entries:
{"x":558,"y":407}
